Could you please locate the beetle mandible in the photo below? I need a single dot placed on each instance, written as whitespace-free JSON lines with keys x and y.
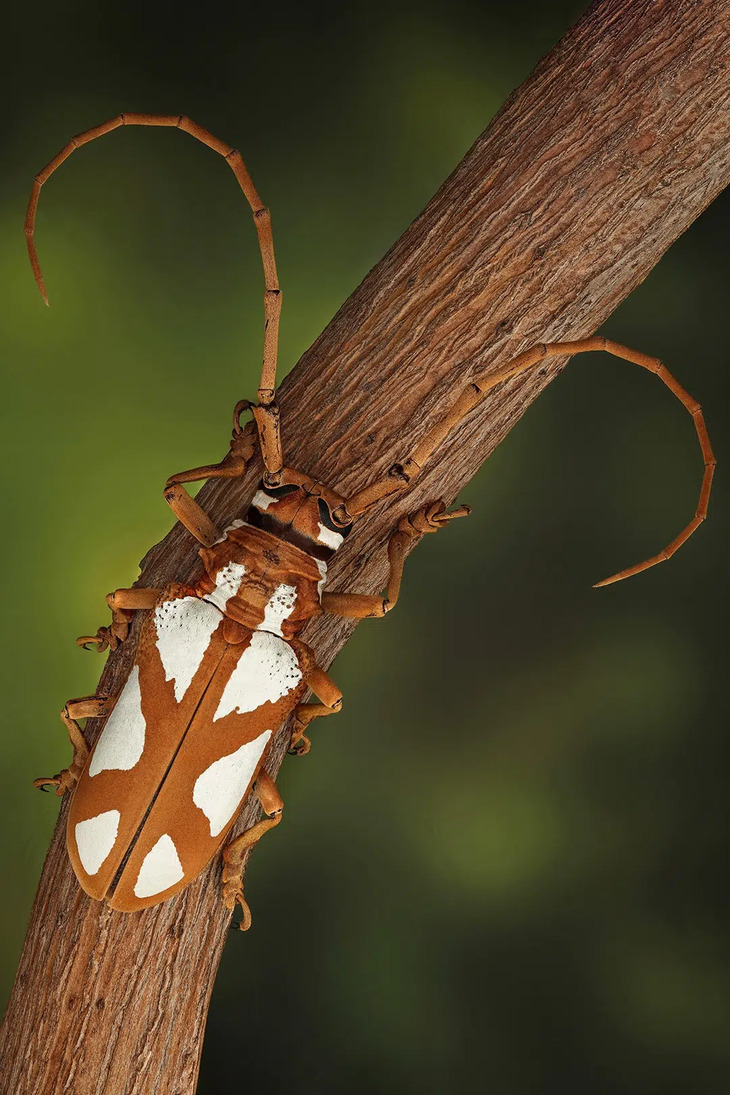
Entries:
{"x":156,"y":798}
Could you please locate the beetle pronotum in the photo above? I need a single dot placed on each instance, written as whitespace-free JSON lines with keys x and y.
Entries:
{"x":219,"y":665}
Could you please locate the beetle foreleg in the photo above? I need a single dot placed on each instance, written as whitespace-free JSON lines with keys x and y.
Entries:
{"x":235,"y":852}
{"x":87,"y":707}
{"x":123,"y":604}
{"x":360,"y":606}
{"x":185,"y":508}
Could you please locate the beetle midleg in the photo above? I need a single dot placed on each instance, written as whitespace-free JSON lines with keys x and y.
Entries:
{"x":325,"y":689}
{"x":185,"y":508}
{"x":86,"y":707}
{"x":123,"y":604}
{"x":235,"y":852}
{"x":359,"y":606}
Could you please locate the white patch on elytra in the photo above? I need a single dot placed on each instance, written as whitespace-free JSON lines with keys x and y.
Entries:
{"x":95,"y":839}
{"x":329,"y":538}
{"x":267,"y":670}
{"x":184,"y":627}
{"x":221,"y":786}
{"x":262,"y":500}
{"x":322,"y":568}
{"x":238,"y":523}
{"x":227,"y":584}
{"x":122,"y":740}
{"x":279,"y":607}
{"x":161,"y":868}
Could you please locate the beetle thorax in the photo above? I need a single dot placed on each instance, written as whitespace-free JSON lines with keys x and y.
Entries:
{"x":267,"y":572}
{"x":262,"y":582}
{"x":300,"y":511}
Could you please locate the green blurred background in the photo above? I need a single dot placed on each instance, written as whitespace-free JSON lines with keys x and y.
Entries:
{"x":503,"y":869}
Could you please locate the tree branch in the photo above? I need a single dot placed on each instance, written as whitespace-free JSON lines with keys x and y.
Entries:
{"x":610,"y":149}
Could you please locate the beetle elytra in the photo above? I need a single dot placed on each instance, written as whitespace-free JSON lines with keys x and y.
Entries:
{"x":220,"y":665}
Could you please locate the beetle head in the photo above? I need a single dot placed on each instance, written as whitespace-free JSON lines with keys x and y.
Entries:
{"x":300,"y":511}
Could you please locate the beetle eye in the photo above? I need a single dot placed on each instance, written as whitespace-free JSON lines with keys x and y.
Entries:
{"x":326,"y":518}
{"x":279,"y":492}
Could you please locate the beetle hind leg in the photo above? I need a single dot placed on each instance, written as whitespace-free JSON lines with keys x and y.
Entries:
{"x":235,"y":853}
{"x":325,"y":689}
{"x":67,"y":778}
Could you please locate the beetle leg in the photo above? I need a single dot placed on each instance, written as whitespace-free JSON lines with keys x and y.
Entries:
{"x":186,"y":509}
{"x":358,"y":606}
{"x":123,"y":604}
{"x":235,"y":853}
{"x":325,"y":689}
{"x":87,"y":707}
{"x":304,"y":713}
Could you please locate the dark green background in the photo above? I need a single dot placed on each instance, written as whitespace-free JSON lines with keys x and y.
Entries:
{"x":502,"y":868}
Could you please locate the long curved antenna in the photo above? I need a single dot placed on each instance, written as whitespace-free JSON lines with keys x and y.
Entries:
{"x":402,"y":475}
{"x":267,"y":417}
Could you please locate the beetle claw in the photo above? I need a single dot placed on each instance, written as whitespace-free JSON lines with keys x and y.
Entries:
{"x":300,"y":747}
{"x":106,"y":637}
{"x":100,"y":640}
{"x":63,"y":782}
{"x":43,"y":783}
{"x":245,"y":922}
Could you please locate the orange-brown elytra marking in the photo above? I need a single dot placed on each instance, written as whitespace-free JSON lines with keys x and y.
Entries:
{"x":220,"y":665}
{"x":132,"y":791}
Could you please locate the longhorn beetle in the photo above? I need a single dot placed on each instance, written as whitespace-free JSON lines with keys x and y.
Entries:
{"x":219,"y":665}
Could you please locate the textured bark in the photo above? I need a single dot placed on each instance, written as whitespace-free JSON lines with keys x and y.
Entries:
{"x":608,"y":151}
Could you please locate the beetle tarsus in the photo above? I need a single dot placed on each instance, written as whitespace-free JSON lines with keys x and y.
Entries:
{"x":244,"y":923}
{"x":83,"y":708}
{"x":64,"y":781}
{"x":103,"y":640}
{"x":430,"y":518}
{"x":115,"y":633}
{"x":300,"y":743}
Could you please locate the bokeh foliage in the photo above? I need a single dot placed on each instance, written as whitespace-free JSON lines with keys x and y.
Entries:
{"x":502,"y":867}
